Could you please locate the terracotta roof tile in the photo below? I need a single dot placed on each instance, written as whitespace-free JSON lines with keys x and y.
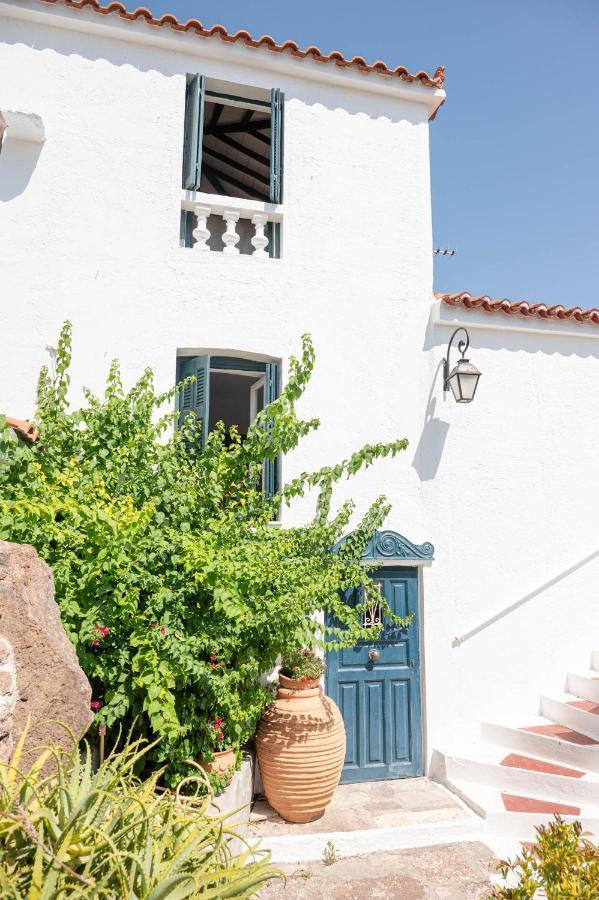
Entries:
{"x":522,"y":308}
{"x":26,"y":430}
{"x":437,"y":80}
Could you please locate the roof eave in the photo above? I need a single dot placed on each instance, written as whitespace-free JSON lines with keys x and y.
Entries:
{"x":341,"y":73}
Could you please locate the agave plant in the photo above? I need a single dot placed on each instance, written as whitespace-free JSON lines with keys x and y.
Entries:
{"x":76,"y":832}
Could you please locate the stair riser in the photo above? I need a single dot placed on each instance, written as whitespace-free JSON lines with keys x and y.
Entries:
{"x":595,"y":660}
{"x":583,"y":687}
{"x":523,"y":782}
{"x":571,"y":717}
{"x":551,"y":749}
{"x":522,"y":825}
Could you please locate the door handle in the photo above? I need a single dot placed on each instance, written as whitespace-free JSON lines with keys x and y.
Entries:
{"x":412,"y":664}
{"x":374,"y":655}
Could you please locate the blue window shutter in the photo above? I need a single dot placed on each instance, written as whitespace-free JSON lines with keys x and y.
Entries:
{"x":194,"y":130}
{"x":276,"y":146}
{"x":273,"y":233}
{"x":186,"y":228}
{"x":271,"y":466}
{"x":195,"y":397}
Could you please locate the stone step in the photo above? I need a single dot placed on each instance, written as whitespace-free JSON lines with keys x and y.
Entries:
{"x":595,"y":660}
{"x":579,"y":715}
{"x":297,"y":848}
{"x":516,"y":815}
{"x":515,"y":773}
{"x":585,"y":686}
{"x":547,"y":740}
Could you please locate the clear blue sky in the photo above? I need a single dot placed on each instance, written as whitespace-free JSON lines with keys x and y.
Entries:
{"x":515,"y":149}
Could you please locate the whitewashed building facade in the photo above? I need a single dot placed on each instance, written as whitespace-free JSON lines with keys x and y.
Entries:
{"x":308,"y":209}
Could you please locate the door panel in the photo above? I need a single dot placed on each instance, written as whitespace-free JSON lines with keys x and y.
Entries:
{"x":349,"y":706}
{"x":380,"y":699}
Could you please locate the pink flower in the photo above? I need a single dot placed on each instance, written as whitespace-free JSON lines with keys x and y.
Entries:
{"x":95,"y":642}
{"x":213,"y":665}
{"x":218,"y":721}
{"x":103,"y":631}
{"x":213,"y":656}
{"x":95,"y":705}
{"x":219,"y":736}
{"x":163,"y":631}
{"x":153,"y":625}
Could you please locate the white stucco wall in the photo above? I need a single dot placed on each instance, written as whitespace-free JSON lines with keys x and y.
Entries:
{"x":89,"y":225}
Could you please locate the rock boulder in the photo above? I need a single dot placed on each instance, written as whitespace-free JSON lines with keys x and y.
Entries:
{"x":40,"y":677}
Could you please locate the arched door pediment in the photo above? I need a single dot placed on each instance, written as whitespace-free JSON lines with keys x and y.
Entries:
{"x":390,"y":546}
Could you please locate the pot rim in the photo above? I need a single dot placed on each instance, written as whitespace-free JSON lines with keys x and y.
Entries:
{"x":222,"y":752}
{"x":293,"y":684}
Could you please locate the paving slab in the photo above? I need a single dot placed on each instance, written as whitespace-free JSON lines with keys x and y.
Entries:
{"x":459,"y":871}
{"x":375,"y":804}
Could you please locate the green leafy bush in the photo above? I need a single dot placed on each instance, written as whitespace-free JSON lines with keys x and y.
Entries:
{"x":174,"y":587}
{"x":105,"y":834}
{"x":561,"y":865}
{"x":303,"y":665}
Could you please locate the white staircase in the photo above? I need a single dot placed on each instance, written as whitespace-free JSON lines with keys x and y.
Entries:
{"x":519,"y":777}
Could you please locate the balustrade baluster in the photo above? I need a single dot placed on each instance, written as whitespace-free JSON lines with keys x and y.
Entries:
{"x":259,"y":241}
{"x":201,"y":232}
{"x":230,"y":237}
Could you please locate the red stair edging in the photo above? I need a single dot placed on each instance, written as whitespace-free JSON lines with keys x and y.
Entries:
{"x":587,"y":705}
{"x":516,"y":761}
{"x":562,"y":732}
{"x":515,"y":803}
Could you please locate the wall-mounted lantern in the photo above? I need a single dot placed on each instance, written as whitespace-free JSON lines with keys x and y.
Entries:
{"x":463,"y":378}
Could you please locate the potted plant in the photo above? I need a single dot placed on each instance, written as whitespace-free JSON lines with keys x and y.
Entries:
{"x":301,"y":670}
{"x":300,"y":741}
{"x":218,"y":755}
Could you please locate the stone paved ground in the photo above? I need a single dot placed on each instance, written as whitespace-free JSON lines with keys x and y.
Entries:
{"x":445,"y":872}
{"x":374,"y":804}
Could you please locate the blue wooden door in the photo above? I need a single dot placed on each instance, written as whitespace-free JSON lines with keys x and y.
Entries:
{"x":380,"y":698}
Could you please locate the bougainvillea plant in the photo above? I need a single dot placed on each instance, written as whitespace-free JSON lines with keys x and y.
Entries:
{"x":174,"y":587}
{"x":215,"y":737}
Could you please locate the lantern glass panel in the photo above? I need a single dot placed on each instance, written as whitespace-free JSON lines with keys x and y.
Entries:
{"x":463,"y":381}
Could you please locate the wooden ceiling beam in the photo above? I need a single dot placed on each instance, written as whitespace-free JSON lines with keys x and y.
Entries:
{"x":218,"y":109}
{"x":236,"y":127}
{"x":235,"y":145}
{"x":238,"y":166}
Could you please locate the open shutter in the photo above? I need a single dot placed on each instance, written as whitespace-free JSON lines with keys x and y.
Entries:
{"x":194,"y":130}
{"x":195,"y":397}
{"x":271,"y":392}
{"x":276,"y":146}
{"x":186,"y":229}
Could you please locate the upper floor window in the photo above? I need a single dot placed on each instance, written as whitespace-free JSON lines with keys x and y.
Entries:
{"x":233,"y":148}
{"x":231,"y":390}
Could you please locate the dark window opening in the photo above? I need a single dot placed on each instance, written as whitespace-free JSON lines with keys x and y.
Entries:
{"x":236,"y":150}
{"x":236,"y":398}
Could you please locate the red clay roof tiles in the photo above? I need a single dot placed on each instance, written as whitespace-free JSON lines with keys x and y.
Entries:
{"x":26,"y":430}
{"x":437,"y":80}
{"x":521,"y":308}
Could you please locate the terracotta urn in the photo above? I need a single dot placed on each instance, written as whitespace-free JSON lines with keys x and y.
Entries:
{"x":301,"y":747}
{"x":223,"y":760}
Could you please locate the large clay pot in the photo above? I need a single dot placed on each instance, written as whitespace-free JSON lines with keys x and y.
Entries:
{"x":301,"y":747}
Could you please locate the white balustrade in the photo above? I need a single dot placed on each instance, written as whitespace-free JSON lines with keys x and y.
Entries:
{"x":236,"y":239}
